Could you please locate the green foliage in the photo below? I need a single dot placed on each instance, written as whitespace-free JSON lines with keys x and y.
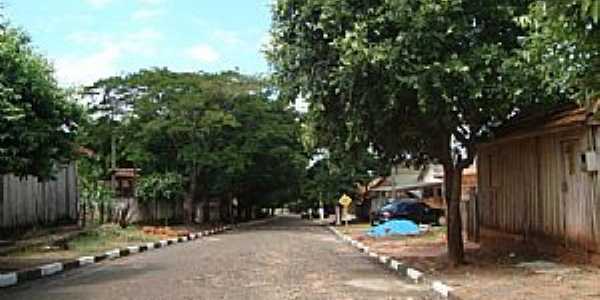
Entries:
{"x":95,"y":193}
{"x":223,"y":132}
{"x":38,"y":123}
{"x":166,"y":187}
{"x":416,"y":80}
{"x":108,"y":237}
{"x":406,"y":77}
{"x":562,"y":45}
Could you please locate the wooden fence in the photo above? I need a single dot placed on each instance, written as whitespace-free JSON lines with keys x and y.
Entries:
{"x":26,"y":202}
{"x":536,"y":187}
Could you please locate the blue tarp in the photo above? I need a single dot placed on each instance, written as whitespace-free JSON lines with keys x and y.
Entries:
{"x":394,"y":227}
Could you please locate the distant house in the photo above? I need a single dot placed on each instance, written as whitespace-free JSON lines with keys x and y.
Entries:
{"x":425,"y":184}
{"x":538,"y":180}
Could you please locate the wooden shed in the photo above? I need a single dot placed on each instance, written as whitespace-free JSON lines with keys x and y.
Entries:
{"x":538,"y":180}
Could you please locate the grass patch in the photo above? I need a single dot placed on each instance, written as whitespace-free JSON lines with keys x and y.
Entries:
{"x":94,"y":241}
{"x":108,"y":237}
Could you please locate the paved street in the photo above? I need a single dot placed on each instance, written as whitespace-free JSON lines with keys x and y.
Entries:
{"x":284,"y":259}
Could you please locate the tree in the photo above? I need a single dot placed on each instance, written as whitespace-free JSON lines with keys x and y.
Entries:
{"x":222,"y":132}
{"x":269,"y":149}
{"x":341,"y":166}
{"x":414,"y":80}
{"x":38,"y":123}
{"x":157,"y":187}
{"x":562,"y":45}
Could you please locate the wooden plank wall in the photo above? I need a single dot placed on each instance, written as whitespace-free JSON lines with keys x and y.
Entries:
{"x":28,"y":202}
{"x":521,"y":189}
{"x":596,"y":192}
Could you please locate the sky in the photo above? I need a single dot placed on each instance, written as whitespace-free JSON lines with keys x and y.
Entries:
{"x":91,"y":39}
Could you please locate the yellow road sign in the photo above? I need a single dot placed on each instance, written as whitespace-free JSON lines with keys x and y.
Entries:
{"x":345,"y":200}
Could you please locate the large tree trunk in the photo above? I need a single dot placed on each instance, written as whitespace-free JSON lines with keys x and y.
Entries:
{"x":453,"y":186}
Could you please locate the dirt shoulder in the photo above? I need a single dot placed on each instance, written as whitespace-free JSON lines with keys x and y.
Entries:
{"x":489,"y":273}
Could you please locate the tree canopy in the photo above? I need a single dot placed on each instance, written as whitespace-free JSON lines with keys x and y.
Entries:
{"x":413,"y":80}
{"x":223,"y":133}
{"x":38,"y":122}
{"x":563,"y":45}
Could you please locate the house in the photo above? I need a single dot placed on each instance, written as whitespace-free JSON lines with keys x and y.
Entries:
{"x":538,"y":181}
{"x":425,"y":184}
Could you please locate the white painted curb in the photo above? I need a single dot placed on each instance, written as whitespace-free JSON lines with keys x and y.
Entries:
{"x":384,"y":259}
{"x":50,"y":269}
{"x":441,"y":288}
{"x":85,"y":260}
{"x":437,"y":286}
{"x":394,"y":264}
{"x":8,"y":279}
{"x":414,"y":274}
{"x":113,"y":254}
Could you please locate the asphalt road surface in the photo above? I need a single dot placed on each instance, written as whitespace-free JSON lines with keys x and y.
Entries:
{"x":286,"y":258}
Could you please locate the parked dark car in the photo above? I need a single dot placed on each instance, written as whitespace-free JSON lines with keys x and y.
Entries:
{"x":408,"y":209}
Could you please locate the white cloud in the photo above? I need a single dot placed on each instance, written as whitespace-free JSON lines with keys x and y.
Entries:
{"x":144,"y":42}
{"x":147,"y":14}
{"x":229,"y":38}
{"x":104,"y":62}
{"x":86,"y":70}
{"x":203,"y":53}
{"x":99,"y":3}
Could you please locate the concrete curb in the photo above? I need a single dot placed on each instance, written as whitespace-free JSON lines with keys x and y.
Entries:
{"x":21,"y":276}
{"x":440,"y":289}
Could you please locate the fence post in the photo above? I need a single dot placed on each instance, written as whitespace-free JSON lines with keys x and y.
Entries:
{"x":473,"y":219}
{"x":1,"y":201}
